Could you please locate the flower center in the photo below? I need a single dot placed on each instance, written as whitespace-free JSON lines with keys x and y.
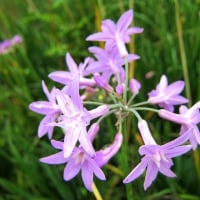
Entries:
{"x":80,"y":158}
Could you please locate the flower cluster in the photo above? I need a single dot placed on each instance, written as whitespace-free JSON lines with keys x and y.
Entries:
{"x":69,"y":108}
{"x":6,"y":45}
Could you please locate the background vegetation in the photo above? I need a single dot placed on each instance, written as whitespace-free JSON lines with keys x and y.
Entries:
{"x":169,"y":45}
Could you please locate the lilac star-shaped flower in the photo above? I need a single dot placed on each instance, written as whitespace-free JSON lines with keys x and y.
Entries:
{"x":189,"y":120}
{"x":67,"y":78}
{"x":79,"y":160}
{"x":116,"y":35}
{"x":74,"y":119}
{"x":157,"y":158}
{"x":6,"y":45}
{"x":108,"y":63}
{"x":167,"y":96}
{"x":48,"y":108}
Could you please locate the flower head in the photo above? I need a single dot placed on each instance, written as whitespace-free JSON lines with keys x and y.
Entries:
{"x":6,"y":45}
{"x":108,"y":63}
{"x":166,"y":96}
{"x":134,"y":86}
{"x":73,"y":120}
{"x":79,"y":160}
{"x":116,"y":35}
{"x":189,"y":120}
{"x":157,"y":158}
{"x":67,"y":77}
{"x":48,"y":108}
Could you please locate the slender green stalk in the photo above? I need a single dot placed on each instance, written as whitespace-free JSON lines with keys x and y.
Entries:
{"x":92,"y":103}
{"x":147,"y":109}
{"x":186,"y":74}
{"x":140,"y":104}
{"x":96,"y":192}
{"x":124,"y":160}
{"x":126,"y":81}
{"x":182,"y":53}
{"x":131,"y":99}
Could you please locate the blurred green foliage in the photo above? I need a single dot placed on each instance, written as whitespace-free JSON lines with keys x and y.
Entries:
{"x":51,"y":28}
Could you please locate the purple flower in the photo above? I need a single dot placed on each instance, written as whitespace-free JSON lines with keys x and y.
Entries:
{"x":67,"y":78}
{"x":116,"y":35}
{"x":166,"y":96}
{"x":120,"y":89}
{"x":189,"y":120}
{"x":134,"y":86}
{"x":79,"y":160}
{"x":109,"y":63}
{"x":6,"y":45}
{"x":74,"y":119}
{"x":157,"y":158}
{"x":48,"y":108}
{"x":102,"y":83}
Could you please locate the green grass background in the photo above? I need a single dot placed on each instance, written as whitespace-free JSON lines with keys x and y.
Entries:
{"x":50,"y":28}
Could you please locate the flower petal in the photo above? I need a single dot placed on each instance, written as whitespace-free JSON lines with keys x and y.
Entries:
{"x":70,"y":140}
{"x":71,"y":170}
{"x":103,"y":156}
{"x":96,"y":169}
{"x":137,"y":171}
{"x":87,"y":176}
{"x":85,"y":142}
{"x":57,"y":158}
{"x":152,"y":171}
{"x":61,"y":77}
{"x":71,"y":64}
{"x":125,"y":20}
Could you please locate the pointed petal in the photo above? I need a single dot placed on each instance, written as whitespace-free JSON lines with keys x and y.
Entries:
{"x":134,"y":30}
{"x":151,"y":174}
{"x":71,"y":64}
{"x":103,"y":156}
{"x":165,"y":170}
{"x":177,"y":118}
{"x":61,"y":77}
{"x":176,"y":100}
{"x":108,"y":27}
{"x":71,"y":170}
{"x":99,"y":111}
{"x":45,"y":89}
{"x":85,"y":142}
{"x":125,"y":20}
{"x":93,"y":130}
{"x":96,"y":169}
{"x":42,"y":107}
{"x":163,"y":84}
{"x":178,"y":141}
{"x":175,"y":88}
{"x":57,"y":144}
{"x":137,"y":171}
{"x":70,"y":140}
{"x":44,"y":128}
{"x":74,"y":92}
{"x":87,"y":176}
{"x":178,"y":151}
{"x":99,"y":37}
{"x":57,"y":158}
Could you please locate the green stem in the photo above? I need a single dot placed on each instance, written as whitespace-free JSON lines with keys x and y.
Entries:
{"x":93,"y":103}
{"x":140,"y":104}
{"x":182,"y":53}
{"x":186,"y":75}
{"x":124,"y":160}
{"x":136,"y":114}
{"x":126,"y":81}
{"x":131,"y":99}
{"x":147,"y":109}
